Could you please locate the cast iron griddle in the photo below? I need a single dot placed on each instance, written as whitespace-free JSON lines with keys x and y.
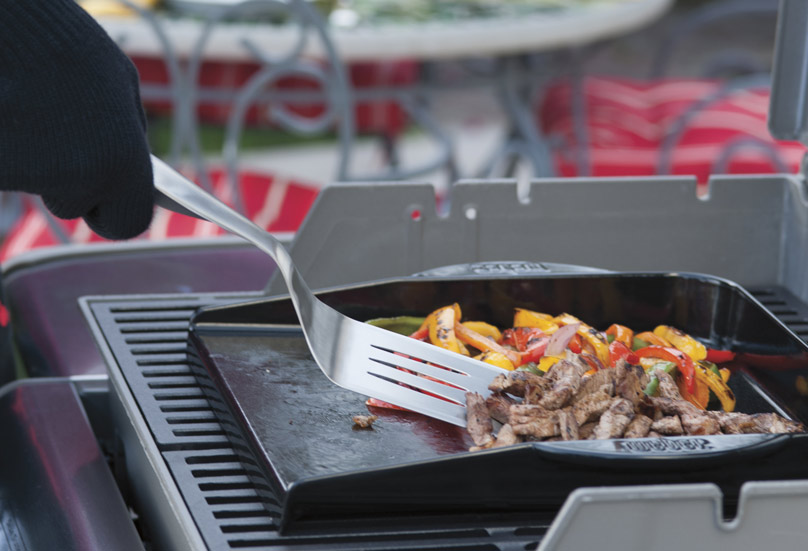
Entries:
{"x":299,"y":424}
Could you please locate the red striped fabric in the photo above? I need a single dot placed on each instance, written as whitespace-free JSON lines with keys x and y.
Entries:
{"x":382,"y":116}
{"x":628,"y":120}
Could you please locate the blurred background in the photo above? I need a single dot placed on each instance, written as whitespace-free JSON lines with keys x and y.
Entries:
{"x":266,"y":102}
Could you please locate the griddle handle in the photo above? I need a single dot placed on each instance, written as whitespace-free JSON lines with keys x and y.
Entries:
{"x":662,"y":451}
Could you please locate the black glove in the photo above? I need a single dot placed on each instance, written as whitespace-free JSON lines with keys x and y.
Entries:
{"x":72,"y":127}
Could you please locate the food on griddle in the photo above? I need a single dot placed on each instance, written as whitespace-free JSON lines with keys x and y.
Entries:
{"x":565,"y":380}
{"x":364,"y":421}
{"x":570,"y":402}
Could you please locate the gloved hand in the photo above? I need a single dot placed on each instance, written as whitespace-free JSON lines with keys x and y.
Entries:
{"x":72,"y":127}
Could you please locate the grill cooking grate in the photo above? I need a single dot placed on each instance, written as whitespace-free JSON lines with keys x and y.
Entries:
{"x":230,"y":501}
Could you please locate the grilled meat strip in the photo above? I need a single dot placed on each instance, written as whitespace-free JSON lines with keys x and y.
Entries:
{"x":667,"y":386}
{"x":638,"y":427}
{"x":671,"y":426}
{"x":567,"y":425}
{"x":566,"y":378}
{"x":615,"y":420}
{"x":630,"y":380}
{"x":506,"y":437}
{"x":743,"y":423}
{"x":591,"y":384}
{"x":694,"y":421}
{"x":592,"y":406}
{"x":478,"y":420}
{"x":533,"y":420}
{"x":499,"y":406}
{"x":514,"y":382}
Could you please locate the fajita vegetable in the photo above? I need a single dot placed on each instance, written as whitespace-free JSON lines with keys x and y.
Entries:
{"x":564,"y":379}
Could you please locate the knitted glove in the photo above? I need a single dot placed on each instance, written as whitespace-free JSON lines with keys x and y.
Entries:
{"x":72,"y":128}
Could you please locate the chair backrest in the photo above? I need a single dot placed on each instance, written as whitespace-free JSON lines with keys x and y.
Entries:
{"x":322,"y":103}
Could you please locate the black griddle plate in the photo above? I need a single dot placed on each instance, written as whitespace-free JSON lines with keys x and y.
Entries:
{"x":299,"y":424}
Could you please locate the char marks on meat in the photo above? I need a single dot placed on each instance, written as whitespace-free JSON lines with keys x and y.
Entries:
{"x":667,"y":386}
{"x":592,"y":406}
{"x":630,"y":381}
{"x":590,"y":384}
{"x":615,"y":420}
{"x":499,"y":406}
{"x":638,"y":427}
{"x":565,"y":376}
{"x":567,"y":425}
{"x":514,"y":382}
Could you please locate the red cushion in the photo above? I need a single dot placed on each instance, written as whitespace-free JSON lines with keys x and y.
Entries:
{"x":382,"y":116}
{"x":274,"y":202}
{"x":627,"y":121}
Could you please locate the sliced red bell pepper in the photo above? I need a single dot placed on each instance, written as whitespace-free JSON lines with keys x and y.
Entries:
{"x":522,"y":338}
{"x":575,"y":344}
{"x":422,"y":334}
{"x":719,"y":356}
{"x":535,"y":351}
{"x":683,"y":362}
{"x":376,"y":403}
{"x":618,"y":350}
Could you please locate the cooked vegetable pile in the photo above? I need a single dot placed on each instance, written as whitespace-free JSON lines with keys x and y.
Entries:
{"x":565,"y":380}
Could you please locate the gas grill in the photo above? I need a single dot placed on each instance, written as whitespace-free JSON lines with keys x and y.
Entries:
{"x":129,"y":442}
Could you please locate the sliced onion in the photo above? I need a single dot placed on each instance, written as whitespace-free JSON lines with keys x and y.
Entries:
{"x":560,"y":339}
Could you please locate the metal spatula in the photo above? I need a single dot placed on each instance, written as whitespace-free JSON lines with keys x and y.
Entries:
{"x":357,"y":356}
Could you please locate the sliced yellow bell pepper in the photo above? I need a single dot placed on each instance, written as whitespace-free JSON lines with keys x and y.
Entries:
{"x":496,"y":358}
{"x":529,"y":318}
{"x":441,"y":325}
{"x":547,"y":362}
{"x":470,"y":337}
{"x":566,"y":319}
{"x":717,"y":384}
{"x":700,"y":396}
{"x":484,"y":329}
{"x":653,"y":339}
{"x":682,"y":341}
{"x":598,"y":342}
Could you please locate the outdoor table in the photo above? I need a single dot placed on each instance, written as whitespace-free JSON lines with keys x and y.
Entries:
{"x":576,"y":25}
{"x":505,"y":39}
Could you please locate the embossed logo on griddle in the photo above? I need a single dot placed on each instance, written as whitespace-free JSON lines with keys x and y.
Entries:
{"x":494,"y":268}
{"x":663,"y":445}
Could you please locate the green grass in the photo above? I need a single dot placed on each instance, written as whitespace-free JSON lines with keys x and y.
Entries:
{"x":212,"y":137}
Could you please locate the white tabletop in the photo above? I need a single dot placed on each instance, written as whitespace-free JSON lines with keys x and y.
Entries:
{"x":436,"y":40}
